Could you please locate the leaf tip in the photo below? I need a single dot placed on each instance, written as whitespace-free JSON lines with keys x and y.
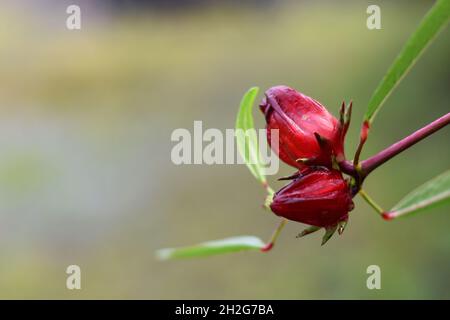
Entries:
{"x":163,"y":254}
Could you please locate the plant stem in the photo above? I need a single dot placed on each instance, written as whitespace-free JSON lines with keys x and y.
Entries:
{"x":374,"y":162}
{"x":371,"y":202}
{"x":347,"y":167}
{"x":274,"y":236}
{"x":362,"y":140}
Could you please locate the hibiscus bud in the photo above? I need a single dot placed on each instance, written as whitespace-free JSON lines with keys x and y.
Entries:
{"x":320,"y":198}
{"x":308,"y":133}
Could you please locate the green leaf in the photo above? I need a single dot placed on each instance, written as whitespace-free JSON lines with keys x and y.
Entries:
{"x":428,"y":195}
{"x":209,"y":248}
{"x":246,"y":136}
{"x":433,"y":22}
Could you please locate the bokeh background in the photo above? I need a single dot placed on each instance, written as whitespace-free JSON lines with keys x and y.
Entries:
{"x":85,"y":171}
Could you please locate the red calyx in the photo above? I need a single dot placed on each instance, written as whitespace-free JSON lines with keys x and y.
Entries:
{"x":308,"y":133}
{"x":321,"y":198}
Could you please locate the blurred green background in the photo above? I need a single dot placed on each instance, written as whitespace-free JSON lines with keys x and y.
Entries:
{"x":85,"y":171}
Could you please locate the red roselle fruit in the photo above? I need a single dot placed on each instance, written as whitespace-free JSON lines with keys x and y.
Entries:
{"x":308,"y":133}
{"x":321,"y":197}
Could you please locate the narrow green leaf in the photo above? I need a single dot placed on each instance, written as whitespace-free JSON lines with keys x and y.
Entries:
{"x":430,"y":194}
{"x":209,"y":248}
{"x":246,"y":136}
{"x":433,"y":22}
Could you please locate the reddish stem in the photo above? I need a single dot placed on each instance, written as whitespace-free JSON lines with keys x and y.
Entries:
{"x":362,"y":140}
{"x":347,"y":167}
{"x":374,"y":162}
{"x":267,"y":247}
{"x":377,"y":160}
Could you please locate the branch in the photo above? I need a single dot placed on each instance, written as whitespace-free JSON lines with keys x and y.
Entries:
{"x":377,"y":160}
